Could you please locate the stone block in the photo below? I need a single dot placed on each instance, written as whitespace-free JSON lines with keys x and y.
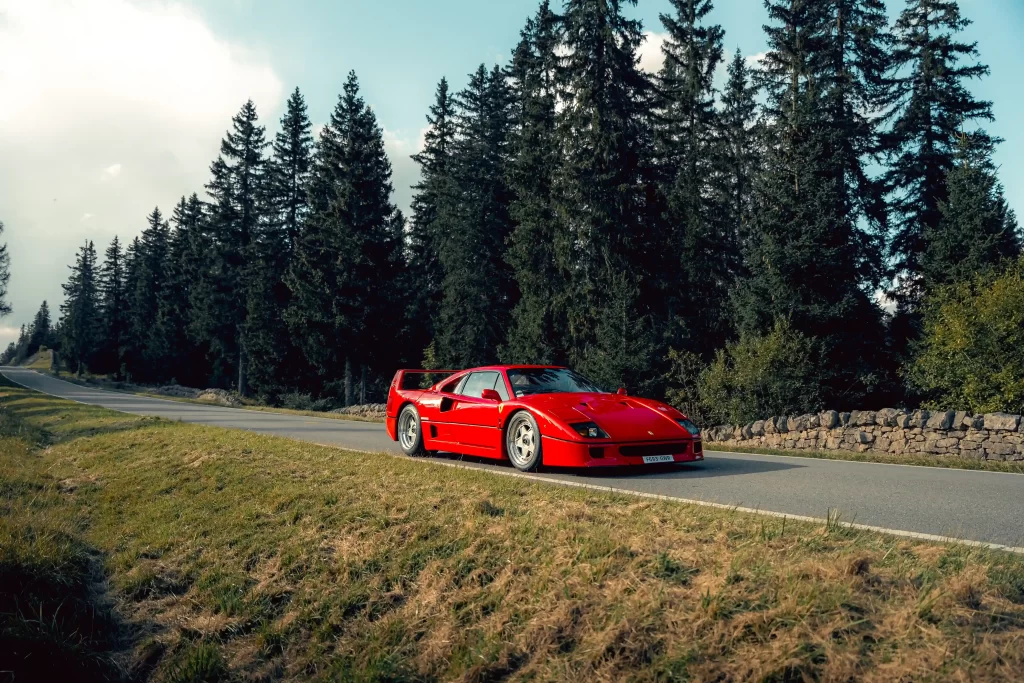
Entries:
{"x":882,"y":444}
{"x":829,"y":419}
{"x":942,"y":420}
{"x":959,"y":419}
{"x":886,"y":417}
{"x":757,"y":429}
{"x":919,"y":418}
{"x":1002,"y":422}
{"x":863,"y":437}
{"x":974,"y":422}
{"x":844,"y":419}
{"x":902,"y":420}
{"x":747,"y":432}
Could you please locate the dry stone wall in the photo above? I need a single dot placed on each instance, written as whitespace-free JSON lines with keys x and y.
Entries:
{"x":993,"y":436}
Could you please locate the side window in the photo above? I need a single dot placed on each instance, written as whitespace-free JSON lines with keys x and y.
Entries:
{"x":501,"y":387}
{"x":478,"y":381}
{"x":455,"y":386}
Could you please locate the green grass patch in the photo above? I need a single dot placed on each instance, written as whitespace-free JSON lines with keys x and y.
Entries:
{"x":138,"y":548}
{"x":918,"y":459}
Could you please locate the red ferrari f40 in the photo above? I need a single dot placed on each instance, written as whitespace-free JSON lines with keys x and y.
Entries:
{"x":534,"y":415}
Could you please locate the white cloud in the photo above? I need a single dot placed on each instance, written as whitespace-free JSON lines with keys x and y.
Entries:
{"x":8,"y":334}
{"x":754,"y":61}
{"x":88,"y":82}
{"x":86,"y":217}
{"x":400,"y":146}
{"x":651,"y":56}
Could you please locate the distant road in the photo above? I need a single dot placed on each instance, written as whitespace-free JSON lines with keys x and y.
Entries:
{"x":986,"y":507}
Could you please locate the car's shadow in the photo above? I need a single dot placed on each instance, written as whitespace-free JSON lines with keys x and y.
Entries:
{"x":712,"y":467}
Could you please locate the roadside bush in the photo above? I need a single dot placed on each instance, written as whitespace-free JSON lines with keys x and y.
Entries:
{"x":971,"y":353}
{"x":300,"y":401}
{"x":759,"y":376}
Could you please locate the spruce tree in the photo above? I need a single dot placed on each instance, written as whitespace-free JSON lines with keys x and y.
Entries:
{"x":151,"y":259}
{"x":477,"y":290}
{"x":932,"y":105}
{"x":5,"y":275}
{"x":702,"y":245}
{"x":41,"y":329}
{"x":537,"y":327}
{"x":341,"y":279}
{"x":113,"y":308}
{"x":737,"y":153}
{"x":237,"y":191}
{"x":607,"y":243}
{"x":808,"y":260}
{"x":976,"y":229}
{"x":81,"y":323}
{"x":424,"y":272}
{"x":289,"y":167}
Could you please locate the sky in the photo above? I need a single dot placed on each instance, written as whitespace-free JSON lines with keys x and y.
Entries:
{"x":111,"y":107}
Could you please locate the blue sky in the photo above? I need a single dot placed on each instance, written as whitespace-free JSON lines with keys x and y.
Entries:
{"x":113,"y":106}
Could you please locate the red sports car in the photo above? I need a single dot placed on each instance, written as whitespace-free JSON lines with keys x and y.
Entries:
{"x":533,"y":415}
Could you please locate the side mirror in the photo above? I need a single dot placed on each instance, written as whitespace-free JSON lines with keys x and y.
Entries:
{"x":490,"y":395}
{"x":621,"y":392}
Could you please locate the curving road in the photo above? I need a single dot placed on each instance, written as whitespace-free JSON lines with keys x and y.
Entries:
{"x":985,"y":507}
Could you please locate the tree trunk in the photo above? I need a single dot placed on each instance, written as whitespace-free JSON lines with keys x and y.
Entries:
{"x":362,"y":386}
{"x":241,"y":370}
{"x":348,"y":382}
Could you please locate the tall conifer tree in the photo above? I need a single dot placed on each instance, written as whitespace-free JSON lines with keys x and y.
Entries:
{"x":80,"y":322}
{"x":603,"y":190}
{"x":478,"y":290}
{"x":5,"y":275}
{"x":976,"y":228}
{"x":342,"y":302}
{"x":424,"y":241}
{"x":537,"y":330}
{"x":113,"y":307}
{"x":932,"y":105}
{"x":702,"y":244}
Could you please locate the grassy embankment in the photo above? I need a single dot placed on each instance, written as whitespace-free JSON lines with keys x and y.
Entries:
{"x":134,"y":546}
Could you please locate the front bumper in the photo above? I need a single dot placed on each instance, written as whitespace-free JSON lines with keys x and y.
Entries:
{"x":559,"y":453}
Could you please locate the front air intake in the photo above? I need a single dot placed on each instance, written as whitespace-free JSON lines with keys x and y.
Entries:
{"x":653,"y":449}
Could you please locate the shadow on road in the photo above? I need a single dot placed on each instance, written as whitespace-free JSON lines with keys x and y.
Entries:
{"x":731,"y":467}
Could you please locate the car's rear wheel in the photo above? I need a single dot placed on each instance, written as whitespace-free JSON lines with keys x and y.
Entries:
{"x":410,"y":435}
{"x":522,"y":442}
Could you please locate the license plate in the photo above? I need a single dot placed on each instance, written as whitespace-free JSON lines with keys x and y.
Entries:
{"x":652,"y":459}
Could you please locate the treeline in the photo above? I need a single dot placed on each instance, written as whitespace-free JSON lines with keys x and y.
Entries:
{"x":719,"y":244}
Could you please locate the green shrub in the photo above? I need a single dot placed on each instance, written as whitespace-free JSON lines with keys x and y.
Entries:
{"x":760,"y":376}
{"x":971,"y":353}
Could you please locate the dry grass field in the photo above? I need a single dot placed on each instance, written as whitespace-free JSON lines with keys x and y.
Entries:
{"x":134,"y":548}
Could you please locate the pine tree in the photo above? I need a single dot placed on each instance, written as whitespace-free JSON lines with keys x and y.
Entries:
{"x":603,"y":191}
{"x":237,"y":191}
{"x":5,"y":275}
{"x":537,"y":327}
{"x":113,"y":308}
{"x":424,"y":272}
{"x":931,"y":107}
{"x":41,"y":329}
{"x":477,"y":290}
{"x":289,"y":167}
{"x":80,"y":312}
{"x":342,"y":280}
{"x":737,"y":150}
{"x":149,"y":336}
{"x":808,"y":260}
{"x":701,"y":243}
{"x":976,"y":229}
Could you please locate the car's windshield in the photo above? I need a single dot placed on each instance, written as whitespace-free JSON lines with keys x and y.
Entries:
{"x":527,"y":381}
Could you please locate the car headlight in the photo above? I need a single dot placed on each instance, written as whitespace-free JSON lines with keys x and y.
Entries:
{"x":589,"y":430}
{"x":689,"y":426}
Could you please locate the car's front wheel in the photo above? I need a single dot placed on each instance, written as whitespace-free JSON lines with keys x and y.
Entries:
{"x":410,"y":435}
{"x":522,"y":442}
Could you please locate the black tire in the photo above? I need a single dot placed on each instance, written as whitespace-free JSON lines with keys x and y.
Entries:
{"x":410,"y":432}
{"x":523,"y":442}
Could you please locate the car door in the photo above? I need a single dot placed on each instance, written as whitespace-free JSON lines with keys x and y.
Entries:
{"x":474,"y":418}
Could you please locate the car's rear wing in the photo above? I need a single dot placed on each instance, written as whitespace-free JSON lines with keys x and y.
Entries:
{"x":419,"y":379}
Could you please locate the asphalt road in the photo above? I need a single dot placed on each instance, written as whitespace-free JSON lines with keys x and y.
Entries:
{"x":987,"y":507}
